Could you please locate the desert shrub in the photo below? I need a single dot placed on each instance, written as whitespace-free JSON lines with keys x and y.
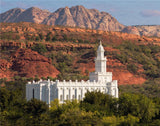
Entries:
{"x":37,"y":38}
{"x":41,"y":36}
{"x":65,"y":38}
{"x":48,"y":36}
{"x":40,"y":48}
{"x":80,"y":41}
{"x":122,"y":58}
{"x":132,"y":68}
{"x":82,"y":61}
{"x":54,"y":38}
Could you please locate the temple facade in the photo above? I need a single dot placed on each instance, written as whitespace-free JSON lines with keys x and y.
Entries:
{"x":100,"y":80}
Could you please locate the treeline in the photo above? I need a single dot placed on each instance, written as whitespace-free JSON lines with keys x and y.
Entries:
{"x":95,"y":109}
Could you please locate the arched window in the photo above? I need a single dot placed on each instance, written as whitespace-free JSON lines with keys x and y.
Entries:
{"x":67,"y":97}
{"x":33,"y":93}
{"x":73,"y":96}
{"x":61,"y":97}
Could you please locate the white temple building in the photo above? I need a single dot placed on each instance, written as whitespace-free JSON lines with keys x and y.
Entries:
{"x":100,"y":80}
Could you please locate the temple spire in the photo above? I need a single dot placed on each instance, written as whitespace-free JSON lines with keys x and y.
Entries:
{"x":100,"y":61}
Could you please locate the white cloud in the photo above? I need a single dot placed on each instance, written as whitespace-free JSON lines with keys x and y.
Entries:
{"x":150,"y":13}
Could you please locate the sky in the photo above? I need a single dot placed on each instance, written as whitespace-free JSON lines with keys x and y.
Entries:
{"x":127,"y":12}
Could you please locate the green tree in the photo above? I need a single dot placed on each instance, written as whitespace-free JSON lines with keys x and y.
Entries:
{"x":4,"y":99}
{"x":48,"y":36}
{"x":35,"y":107}
{"x":137,"y":105}
{"x":40,"y":48}
{"x":54,"y":38}
{"x":99,"y":102}
{"x":41,"y":36}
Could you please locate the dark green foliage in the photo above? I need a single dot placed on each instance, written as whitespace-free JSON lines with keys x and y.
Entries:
{"x":37,"y":38}
{"x":80,"y":41}
{"x":83,"y":61}
{"x":36,"y":78}
{"x":89,"y":55}
{"x":65,"y":38}
{"x":132,"y":68}
{"x":41,"y":36}
{"x":150,"y":88}
{"x":48,"y":36}
{"x":137,"y":105}
{"x":122,"y":58}
{"x":132,"y":54}
{"x":35,"y":107}
{"x":4,"y":99}
{"x":54,"y":38}
{"x":101,"y":103}
{"x":40,"y":48}
{"x":63,"y":62}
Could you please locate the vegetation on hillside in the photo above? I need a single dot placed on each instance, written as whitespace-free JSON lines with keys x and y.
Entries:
{"x":137,"y":104}
{"x":146,"y":55}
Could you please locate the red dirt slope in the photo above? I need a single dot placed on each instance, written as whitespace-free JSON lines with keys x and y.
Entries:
{"x":27,"y":63}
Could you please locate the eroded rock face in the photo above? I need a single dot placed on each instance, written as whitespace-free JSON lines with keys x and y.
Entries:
{"x":32,"y":14}
{"x":150,"y":30}
{"x":5,"y":69}
{"x":131,"y":30}
{"x":84,"y":18}
{"x":27,"y":63}
{"x":77,"y":16}
{"x":11,"y":15}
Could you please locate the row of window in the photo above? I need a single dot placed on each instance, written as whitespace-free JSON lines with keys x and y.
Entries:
{"x":84,"y":89}
{"x":68,"y":98}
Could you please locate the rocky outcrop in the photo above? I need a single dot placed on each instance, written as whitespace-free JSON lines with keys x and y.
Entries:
{"x":146,"y":30}
{"x":27,"y":63}
{"x":5,"y":71}
{"x":11,"y":15}
{"x":77,"y":16}
{"x":32,"y":14}
{"x":131,"y":30}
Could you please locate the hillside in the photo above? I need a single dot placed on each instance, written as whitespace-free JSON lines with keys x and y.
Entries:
{"x":76,"y":16}
{"x":132,"y":59}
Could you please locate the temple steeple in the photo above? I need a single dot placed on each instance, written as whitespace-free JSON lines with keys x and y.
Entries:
{"x":100,"y":60}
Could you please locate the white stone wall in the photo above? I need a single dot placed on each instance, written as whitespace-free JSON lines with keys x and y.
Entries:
{"x":48,"y":91}
{"x":76,"y":90}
